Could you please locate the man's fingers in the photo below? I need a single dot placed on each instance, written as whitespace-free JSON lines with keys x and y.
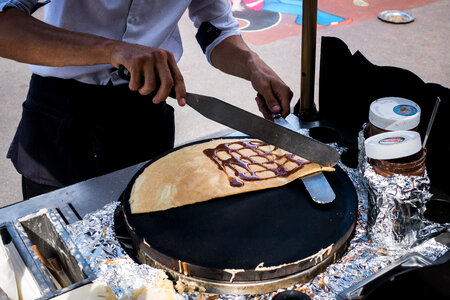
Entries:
{"x":271,"y":102}
{"x":163,"y":61}
{"x":178,"y":81}
{"x":151,"y":70}
{"x":166,"y":82}
{"x":284,"y":96}
{"x":263,"y":108}
{"x":135,"y":80}
{"x":150,"y":83}
{"x":181,"y":101}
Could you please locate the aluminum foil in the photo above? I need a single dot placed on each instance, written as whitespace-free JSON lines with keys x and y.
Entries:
{"x":96,"y":240}
{"x":396,"y":206}
{"x":364,"y":257}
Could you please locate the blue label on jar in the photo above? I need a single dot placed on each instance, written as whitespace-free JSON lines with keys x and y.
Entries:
{"x":405,"y":110}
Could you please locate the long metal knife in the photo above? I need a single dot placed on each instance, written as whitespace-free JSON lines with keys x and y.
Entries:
{"x":317,"y":185}
{"x":257,"y":127}
{"x":263,"y":129}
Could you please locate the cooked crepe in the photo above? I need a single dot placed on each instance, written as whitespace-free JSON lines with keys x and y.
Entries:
{"x":215,"y":169}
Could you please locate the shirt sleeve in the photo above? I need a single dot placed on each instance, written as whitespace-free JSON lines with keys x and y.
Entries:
{"x":218,"y":13}
{"x":23,"y":5}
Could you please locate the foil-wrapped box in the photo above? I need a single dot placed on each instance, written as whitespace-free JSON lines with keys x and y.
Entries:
{"x":396,"y":207}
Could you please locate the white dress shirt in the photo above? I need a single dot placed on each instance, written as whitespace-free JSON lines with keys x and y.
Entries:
{"x":146,"y":22}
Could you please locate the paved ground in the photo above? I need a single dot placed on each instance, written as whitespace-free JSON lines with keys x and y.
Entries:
{"x":421,"y":47}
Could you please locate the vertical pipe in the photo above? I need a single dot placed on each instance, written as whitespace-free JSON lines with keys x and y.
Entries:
{"x":308,"y":60}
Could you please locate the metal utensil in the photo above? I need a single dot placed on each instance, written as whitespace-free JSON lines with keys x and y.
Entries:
{"x":257,"y":127}
{"x":265,"y":130}
{"x":317,"y":185}
{"x":430,"y":124}
{"x":396,"y":16}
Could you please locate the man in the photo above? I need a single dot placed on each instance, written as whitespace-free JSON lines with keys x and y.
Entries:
{"x":80,"y":119}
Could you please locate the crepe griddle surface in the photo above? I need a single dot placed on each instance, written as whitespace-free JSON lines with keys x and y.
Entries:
{"x":275,"y":226}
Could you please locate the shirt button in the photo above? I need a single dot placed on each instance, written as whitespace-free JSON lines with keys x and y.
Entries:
{"x":132,"y":20}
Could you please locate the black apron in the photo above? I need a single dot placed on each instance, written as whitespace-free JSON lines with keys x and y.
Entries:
{"x":71,"y":131}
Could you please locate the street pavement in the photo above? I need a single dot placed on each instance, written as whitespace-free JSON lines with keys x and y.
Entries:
{"x":274,"y":33}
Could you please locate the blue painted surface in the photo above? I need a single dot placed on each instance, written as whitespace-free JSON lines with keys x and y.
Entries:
{"x":295,"y":7}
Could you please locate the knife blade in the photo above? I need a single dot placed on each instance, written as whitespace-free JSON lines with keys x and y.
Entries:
{"x":317,"y":185}
{"x":265,"y":130}
{"x":257,"y":127}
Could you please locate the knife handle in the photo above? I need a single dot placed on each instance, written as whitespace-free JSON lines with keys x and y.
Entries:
{"x":126,"y":75}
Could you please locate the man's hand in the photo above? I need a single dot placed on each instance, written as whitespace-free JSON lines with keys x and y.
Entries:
{"x":234,"y":57}
{"x":151,"y":69}
{"x":276,"y":94}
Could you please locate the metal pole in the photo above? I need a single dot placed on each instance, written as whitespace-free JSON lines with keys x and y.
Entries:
{"x":308,"y":109}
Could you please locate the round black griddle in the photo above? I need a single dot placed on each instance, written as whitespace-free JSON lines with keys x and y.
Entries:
{"x":279,"y":227}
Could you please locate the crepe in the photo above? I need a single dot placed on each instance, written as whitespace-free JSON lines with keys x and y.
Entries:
{"x":215,"y":169}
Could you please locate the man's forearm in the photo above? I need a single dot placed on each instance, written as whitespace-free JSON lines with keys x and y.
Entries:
{"x":234,"y":57}
{"x":26,"y":39}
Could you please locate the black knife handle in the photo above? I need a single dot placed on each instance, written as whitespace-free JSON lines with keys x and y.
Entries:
{"x":126,"y":75}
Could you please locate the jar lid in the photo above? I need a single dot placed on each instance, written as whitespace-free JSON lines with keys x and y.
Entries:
{"x":392,"y":145}
{"x":394,"y":113}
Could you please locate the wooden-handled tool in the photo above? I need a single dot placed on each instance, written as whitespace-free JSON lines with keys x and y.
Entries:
{"x":54,"y":267}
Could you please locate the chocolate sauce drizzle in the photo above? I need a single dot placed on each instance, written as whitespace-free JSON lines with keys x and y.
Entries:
{"x":237,"y":161}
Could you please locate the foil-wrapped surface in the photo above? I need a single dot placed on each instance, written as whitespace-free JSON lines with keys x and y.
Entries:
{"x":96,"y":240}
{"x":396,"y":208}
{"x":99,"y":245}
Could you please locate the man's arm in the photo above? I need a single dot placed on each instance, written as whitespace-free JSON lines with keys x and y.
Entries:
{"x":234,"y":57}
{"x":26,"y":39}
